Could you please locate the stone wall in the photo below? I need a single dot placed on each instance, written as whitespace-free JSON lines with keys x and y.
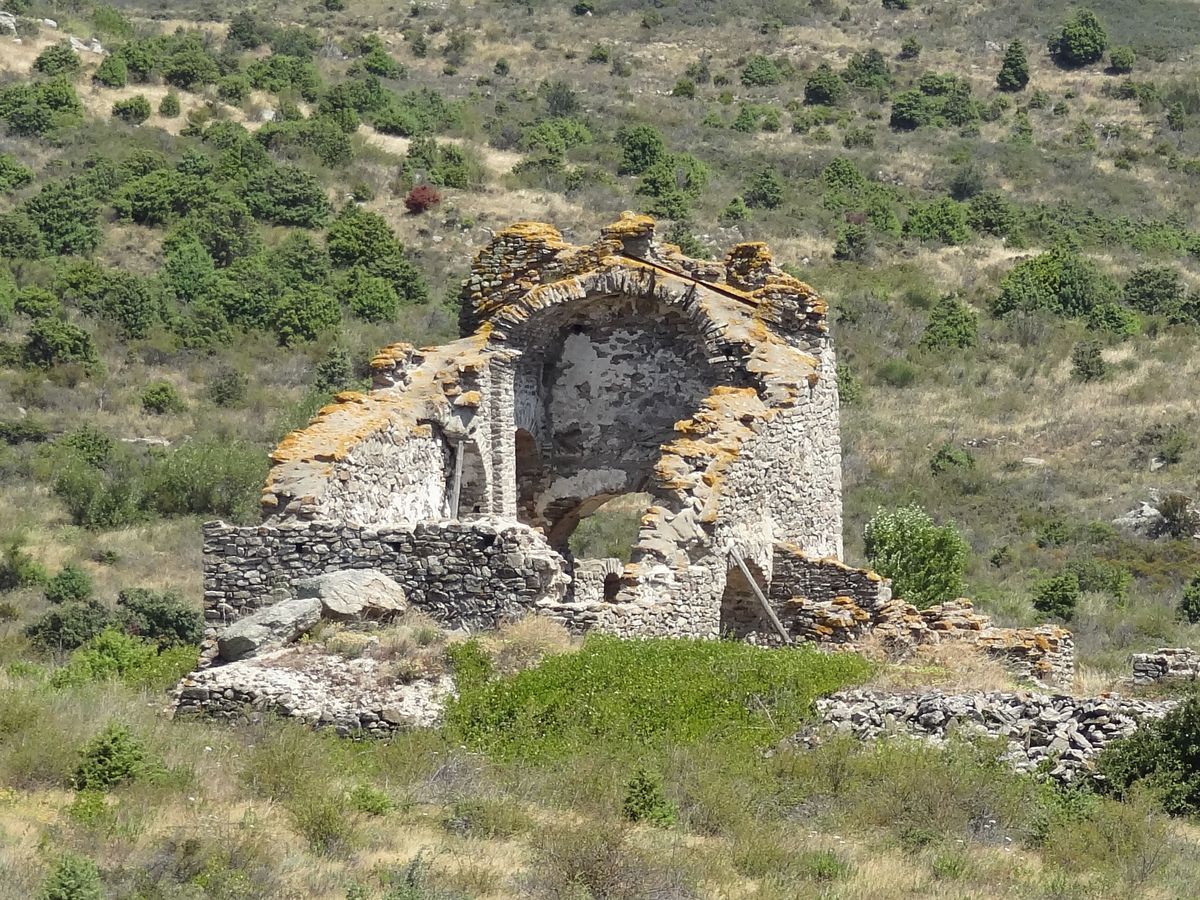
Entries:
{"x":1064,"y":733}
{"x":464,"y":574}
{"x":1166,"y":663}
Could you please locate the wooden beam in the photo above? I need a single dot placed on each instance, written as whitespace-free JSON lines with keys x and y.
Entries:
{"x":456,"y":483}
{"x":762,"y":600}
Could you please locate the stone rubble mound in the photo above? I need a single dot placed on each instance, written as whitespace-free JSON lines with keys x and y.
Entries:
{"x":344,"y":596}
{"x":323,"y":690}
{"x":1066,"y":733}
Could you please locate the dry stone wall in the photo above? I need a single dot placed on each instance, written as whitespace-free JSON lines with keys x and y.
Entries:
{"x":1064,"y":734}
{"x":1166,"y":664}
{"x":464,"y":574}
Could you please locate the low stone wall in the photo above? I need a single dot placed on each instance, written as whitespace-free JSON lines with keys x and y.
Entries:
{"x":1066,"y":733}
{"x":1166,"y":663}
{"x":464,"y":574}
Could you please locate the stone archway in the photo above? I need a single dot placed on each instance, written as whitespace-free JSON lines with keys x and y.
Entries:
{"x":598,"y":390}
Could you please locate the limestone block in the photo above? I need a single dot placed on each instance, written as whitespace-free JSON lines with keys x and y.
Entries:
{"x":268,"y":628}
{"x":354,"y":594}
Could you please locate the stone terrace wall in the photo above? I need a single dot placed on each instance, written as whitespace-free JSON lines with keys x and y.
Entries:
{"x":464,"y":574}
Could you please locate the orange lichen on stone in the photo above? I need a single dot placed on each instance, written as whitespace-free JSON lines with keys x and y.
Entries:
{"x":629,"y":225}
{"x":532,"y":231}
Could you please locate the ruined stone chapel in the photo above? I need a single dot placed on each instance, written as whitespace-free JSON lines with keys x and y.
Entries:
{"x":584,"y":373}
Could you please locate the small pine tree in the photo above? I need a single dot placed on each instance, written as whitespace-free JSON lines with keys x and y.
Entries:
{"x":1057,"y":596}
{"x":1014,"y":70}
{"x":1087,"y":362}
{"x":72,"y":878}
{"x":952,"y":325}
{"x":169,"y":107}
{"x":765,"y":190}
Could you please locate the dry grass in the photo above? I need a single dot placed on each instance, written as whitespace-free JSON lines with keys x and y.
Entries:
{"x":520,"y":645}
{"x":953,"y":666}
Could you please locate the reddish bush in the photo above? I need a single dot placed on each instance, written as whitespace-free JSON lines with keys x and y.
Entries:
{"x":421,"y":198}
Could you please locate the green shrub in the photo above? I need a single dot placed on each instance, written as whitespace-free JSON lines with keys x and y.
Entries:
{"x":853,"y":243}
{"x":37,"y":303}
{"x":135,"y":110}
{"x":69,"y":625}
{"x":1121,"y":60}
{"x":673,"y":184}
{"x":1115,"y":319}
{"x":1163,"y":755}
{"x":897,"y":373}
{"x":1058,"y":281}
{"x":952,"y":325}
{"x":112,"y":72}
{"x":1087,"y":361}
{"x":1081,"y":42}
{"x":371,"y":298}
{"x":1188,"y":609}
{"x":162,"y":617}
{"x":53,"y":342}
{"x":910,"y":48}
{"x":1155,"y":289}
{"x":227,"y":387}
{"x":18,"y":569}
{"x":868,"y":70}
{"x":943,"y":220}
{"x":13,"y":175}
{"x":1057,"y":595}
{"x":162,"y":397}
{"x":112,"y":757}
{"x":850,"y":387}
{"x":169,"y":106}
{"x":234,"y":89}
{"x":58,"y":59}
{"x":71,"y":584}
{"x":736,"y":211}
{"x":1101,"y":576}
{"x":1181,"y":518}
{"x":109,"y":655}
{"x":925,"y":561}
{"x":761,"y":71}
{"x":371,"y":801}
{"x":949,"y":458}
{"x":938,"y":100}
{"x":765,"y":190}
{"x":637,"y":694}
{"x":824,"y":87}
{"x":645,"y":801}
{"x":287,"y":195}
{"x":72,"y":878}
{"x":1014,"y":70}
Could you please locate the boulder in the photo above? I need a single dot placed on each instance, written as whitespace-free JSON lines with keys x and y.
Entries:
{"x":8,"y":22}
{"x":354,"y":594}
{"x":268,"y":628}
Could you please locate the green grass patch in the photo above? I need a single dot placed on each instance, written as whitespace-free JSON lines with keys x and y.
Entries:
{"x":648,"y":694}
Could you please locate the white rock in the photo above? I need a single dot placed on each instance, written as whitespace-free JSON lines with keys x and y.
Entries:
{"x":272,"y":626}
{"x":354,"y":593}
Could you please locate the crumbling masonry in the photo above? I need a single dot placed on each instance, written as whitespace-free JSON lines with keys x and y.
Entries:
{"x":587,"y":373}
